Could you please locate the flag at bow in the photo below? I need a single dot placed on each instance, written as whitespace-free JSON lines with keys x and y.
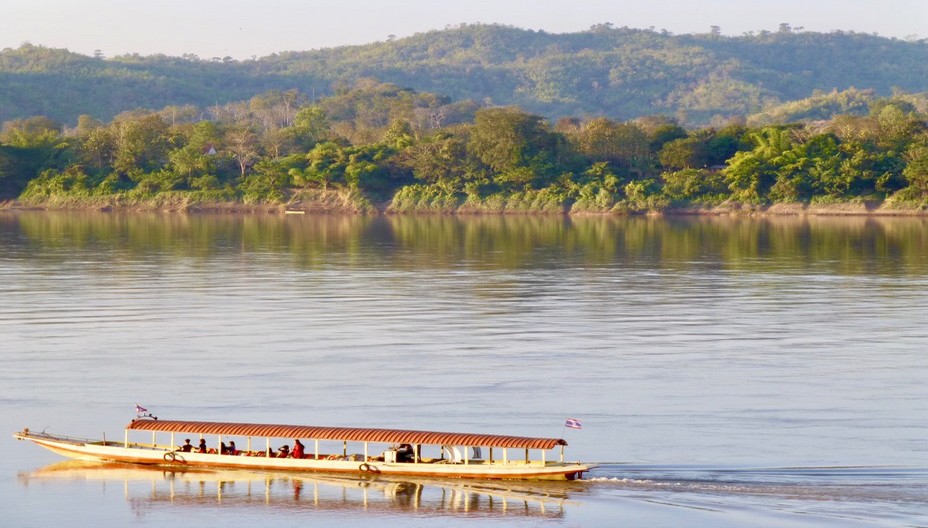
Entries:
{"x":573,"y":423}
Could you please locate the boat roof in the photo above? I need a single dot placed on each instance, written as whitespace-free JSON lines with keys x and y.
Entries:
{"x":351,"y":434}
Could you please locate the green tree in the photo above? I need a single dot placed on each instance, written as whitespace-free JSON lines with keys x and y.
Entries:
{"x":441,"y":160}
{"x":399,"y":134}
{"x":684,"y":153}
{"x":311,"y":125}
{"x":694,"y":185}
{"x":97,"y":147}
{"x":916,"y":164}
{"x":623,"y":145}
{"x":517,"y":146}
{"x":141,"y":142}
{"x":30,"y":133}
{"x":751,"y":174}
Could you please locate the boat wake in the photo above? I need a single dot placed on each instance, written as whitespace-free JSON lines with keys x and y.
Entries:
{"x":863,"y":493}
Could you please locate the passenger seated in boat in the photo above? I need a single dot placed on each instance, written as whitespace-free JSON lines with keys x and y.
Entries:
{"x":232,"y":450}
{"x":223,"y":450}
{"x":297,"y":449}
{"x":404,"y":453}
{"x":187,"y":447}
{"x":284,"y":452}
{"x":202,"y":447}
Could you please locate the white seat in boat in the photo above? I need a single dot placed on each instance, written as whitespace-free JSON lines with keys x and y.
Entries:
{"x":454,"y":454}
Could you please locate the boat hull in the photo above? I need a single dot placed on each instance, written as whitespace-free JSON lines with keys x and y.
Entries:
{"x":161,"y":456}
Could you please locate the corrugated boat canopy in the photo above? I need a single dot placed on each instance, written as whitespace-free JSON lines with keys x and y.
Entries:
{"x":351,"y":434}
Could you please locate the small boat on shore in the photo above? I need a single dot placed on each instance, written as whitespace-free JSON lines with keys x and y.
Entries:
{"x":337,"y":450}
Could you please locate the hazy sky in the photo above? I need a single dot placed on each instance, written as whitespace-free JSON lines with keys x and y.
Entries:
{"x":219,"y":28}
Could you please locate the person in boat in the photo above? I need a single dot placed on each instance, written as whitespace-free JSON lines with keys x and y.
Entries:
{"x":284,"y":451}
{"x":187,"y":447}
{"x":202,"y":447}
{"x":232,"y":450}
{"x":404,"y":453}
{"x":297,"y":449}
{"x":223,"y":450}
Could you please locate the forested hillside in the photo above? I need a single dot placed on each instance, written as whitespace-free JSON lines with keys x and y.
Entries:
{"x":619,"y":73}
{"x":382,"y":147}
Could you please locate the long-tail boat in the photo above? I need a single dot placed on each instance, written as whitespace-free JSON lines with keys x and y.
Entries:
{"x":343,"y":450}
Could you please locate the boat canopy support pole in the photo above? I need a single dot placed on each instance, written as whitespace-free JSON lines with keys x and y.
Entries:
{"x":562,"y":453}
{"x":317,"y":449}
{"x":173,"y":445}
{"x":126,"y":443}
{"x":365,"y":451}
{"x":526,"y":455}
{"x":153,"y":439}
{"x":248,"y":444}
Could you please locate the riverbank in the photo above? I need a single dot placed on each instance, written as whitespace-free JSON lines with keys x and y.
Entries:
{"x":339,"y":203}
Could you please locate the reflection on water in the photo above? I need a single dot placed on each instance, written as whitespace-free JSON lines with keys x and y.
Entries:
{"x":851,"y":245}
{"x":147,"y":488}
{"x":848,"y":496}
{"x":725,"y":342}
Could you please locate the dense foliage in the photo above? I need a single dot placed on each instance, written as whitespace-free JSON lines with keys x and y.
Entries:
{"x":618,"y":73}
{"x":378,"y":145}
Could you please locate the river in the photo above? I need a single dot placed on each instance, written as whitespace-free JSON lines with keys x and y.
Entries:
{"x":727,"y":371}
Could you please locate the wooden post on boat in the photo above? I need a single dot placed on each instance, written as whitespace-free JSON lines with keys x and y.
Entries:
{"x":466,"y":455}
{"x":543,"y":456}
{"x":505,"y":456}
{"x":345,"y":448}
{"x":491,"y":455}
{"x":248,"y":445}
{"x":562,"y":453}
{"x":317,"y":449}
{"x":526,"y":455}
{"x":126,"y":445}
{"x":365,"y":451}
{"x":153,"y":433}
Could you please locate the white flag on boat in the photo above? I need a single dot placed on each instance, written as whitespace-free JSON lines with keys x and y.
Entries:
{"x":573,"y":423}
{"x":140,"y":409}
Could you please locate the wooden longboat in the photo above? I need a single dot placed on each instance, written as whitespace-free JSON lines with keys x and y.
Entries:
{"x":337,"y":450}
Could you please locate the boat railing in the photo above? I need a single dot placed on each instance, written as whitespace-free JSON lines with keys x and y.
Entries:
{"x":61,"y":438}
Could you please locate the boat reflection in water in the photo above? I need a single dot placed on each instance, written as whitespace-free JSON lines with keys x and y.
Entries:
{"x":145,"y":488}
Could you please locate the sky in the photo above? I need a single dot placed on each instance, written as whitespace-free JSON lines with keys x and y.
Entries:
{"x":246,"y":29}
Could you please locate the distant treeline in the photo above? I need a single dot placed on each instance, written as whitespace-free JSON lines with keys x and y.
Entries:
{"x":379,"y":146}
{"x":616,"y":72}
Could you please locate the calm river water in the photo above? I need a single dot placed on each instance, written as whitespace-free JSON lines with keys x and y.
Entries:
{"x":728,"y":372}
